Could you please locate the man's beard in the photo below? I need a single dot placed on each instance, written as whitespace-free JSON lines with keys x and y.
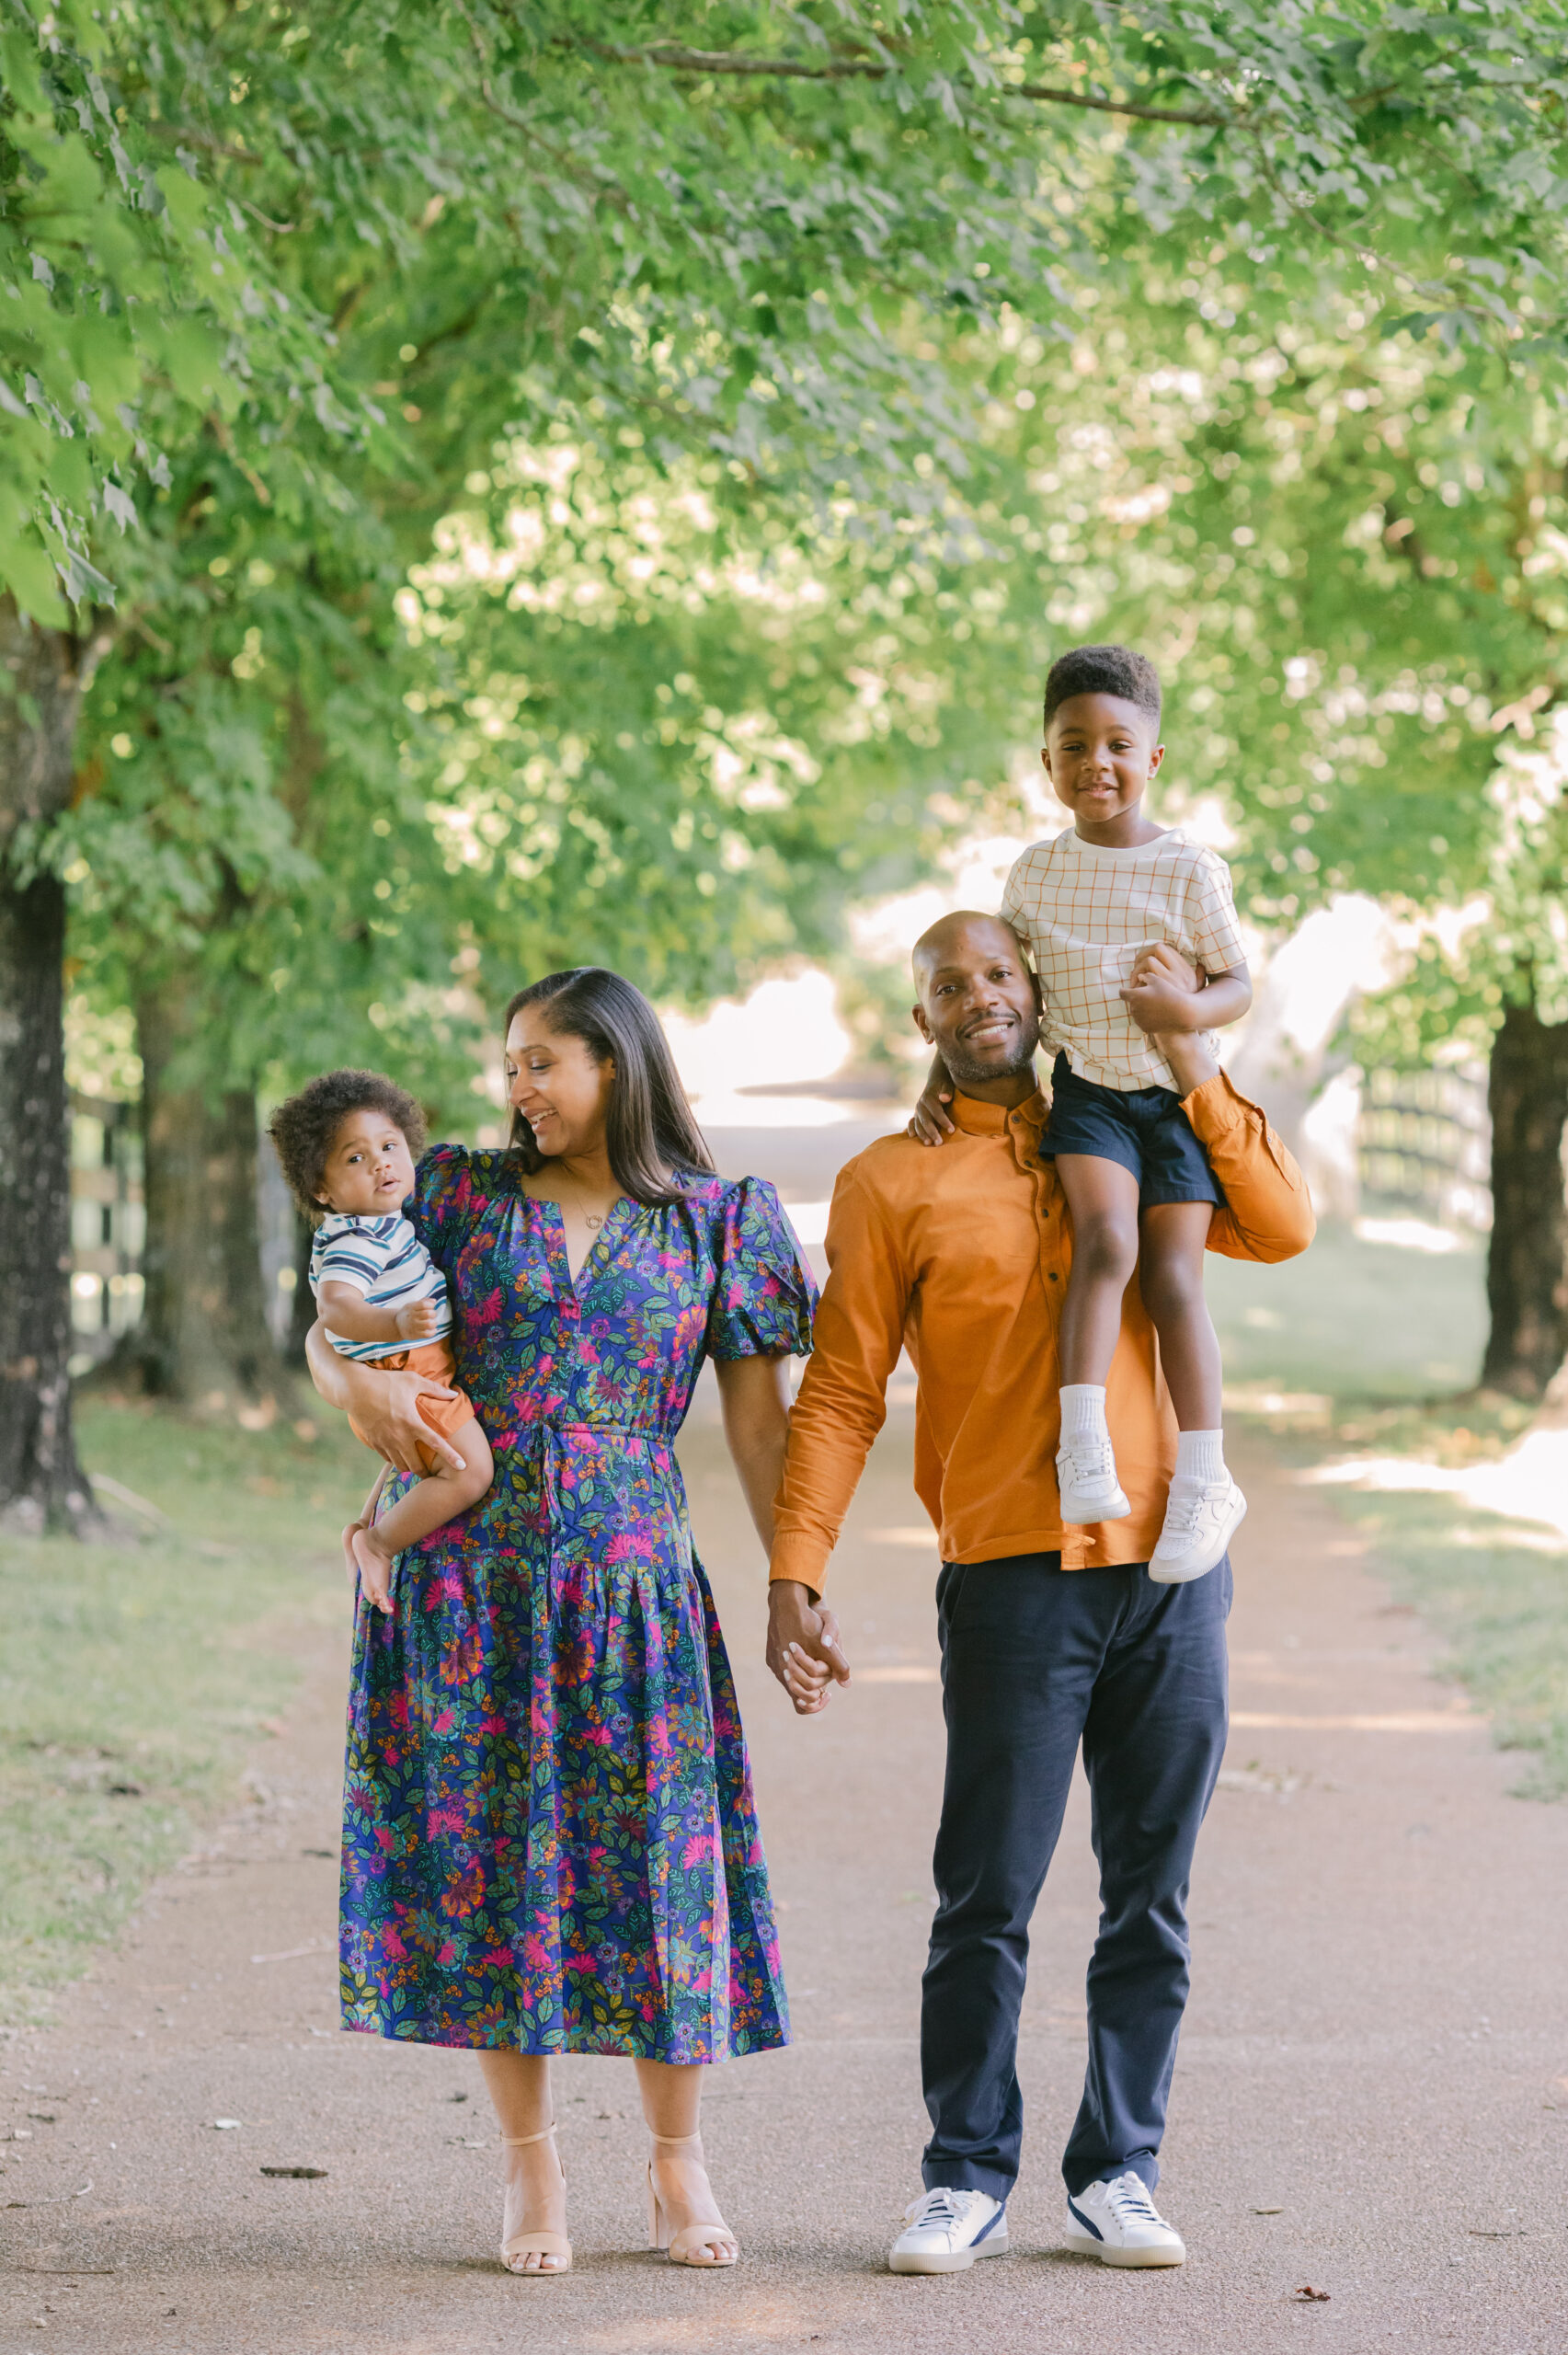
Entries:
{"x":963,"y":1067}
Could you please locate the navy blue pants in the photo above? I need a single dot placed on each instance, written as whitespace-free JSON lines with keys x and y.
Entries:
{"x":1035,"y":1659}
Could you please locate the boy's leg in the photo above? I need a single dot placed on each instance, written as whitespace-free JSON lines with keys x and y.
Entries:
{"x":1153,"y":1739}
{"x":1173,"y":1238}
{"x":1103,"y":1198}
{"x":432,"y":1502}
{"x":1205,"y":1507}
{"x":1021,"y":1643}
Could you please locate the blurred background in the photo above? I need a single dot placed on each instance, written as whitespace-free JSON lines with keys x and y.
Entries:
{"x":491,"y":489}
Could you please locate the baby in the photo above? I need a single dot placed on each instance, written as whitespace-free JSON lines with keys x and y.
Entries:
{"x":347,"y":1143}
{"x":1109,"y":911}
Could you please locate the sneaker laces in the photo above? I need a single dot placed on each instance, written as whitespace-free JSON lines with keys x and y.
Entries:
{"x":944,"y":2206}
{"x":1092,"y":1460}
{"x":1185,"y":1508}
{"x":1129,"y":2200}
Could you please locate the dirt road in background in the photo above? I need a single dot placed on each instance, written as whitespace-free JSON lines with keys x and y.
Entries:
{"x":1371,"y":2098}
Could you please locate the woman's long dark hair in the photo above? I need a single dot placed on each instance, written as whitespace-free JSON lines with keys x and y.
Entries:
{"x":652,"y":1140}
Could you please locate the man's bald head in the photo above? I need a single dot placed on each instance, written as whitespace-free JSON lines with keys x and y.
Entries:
{"x":979,"y":1006}
{"x":961,"y":935}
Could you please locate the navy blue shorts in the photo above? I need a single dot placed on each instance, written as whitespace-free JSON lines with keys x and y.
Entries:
{"x":1143,"y":1129}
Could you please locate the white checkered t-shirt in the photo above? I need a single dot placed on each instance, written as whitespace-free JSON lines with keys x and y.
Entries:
{"x":1086,"y":912}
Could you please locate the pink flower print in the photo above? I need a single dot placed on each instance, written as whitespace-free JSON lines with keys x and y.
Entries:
{"x":484,"y":1312}
{"x":536,"y":1952}
{"x":443,"y":1724}
{"x":698,"y":1850}
{"x":626,"y":1543}
{"x":393,"y":1946}
{"x":448,"y":1953}
{"x":385,"y":1839}
{"x":448,"y":1819}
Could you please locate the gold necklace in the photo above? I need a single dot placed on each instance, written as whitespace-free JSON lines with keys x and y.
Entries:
{"x":592,"y":1219}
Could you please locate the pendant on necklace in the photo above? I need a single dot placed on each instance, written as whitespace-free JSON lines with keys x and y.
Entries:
{"x":589,"y":1220}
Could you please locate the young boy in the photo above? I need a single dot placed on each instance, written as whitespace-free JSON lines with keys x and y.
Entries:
{"x":1108,"y":909}
{"x":347,"y":1143}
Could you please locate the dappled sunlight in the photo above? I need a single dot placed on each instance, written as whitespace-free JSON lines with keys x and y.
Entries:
{"x":1529,"y":1484}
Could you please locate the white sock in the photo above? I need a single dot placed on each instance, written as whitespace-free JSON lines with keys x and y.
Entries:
{"x":1200,"y":1456}
{"x":1083,"y":1412}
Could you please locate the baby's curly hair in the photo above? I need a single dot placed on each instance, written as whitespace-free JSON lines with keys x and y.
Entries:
{"x":1103,"y":671}
{"x":303,"y":1129}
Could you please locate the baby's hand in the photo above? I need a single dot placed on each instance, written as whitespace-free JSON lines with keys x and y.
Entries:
{"x":930,"y":1122}
{"x":418,"y":1320}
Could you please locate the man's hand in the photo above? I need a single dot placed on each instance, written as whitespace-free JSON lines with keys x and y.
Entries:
{"x":803,"y":1646}
{"x":1165,"y":993}
{"x":417,"y":1320}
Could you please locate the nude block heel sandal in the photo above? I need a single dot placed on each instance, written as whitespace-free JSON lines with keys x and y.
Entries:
{"x":540,"y":2243}
{"x":681,"y":2248}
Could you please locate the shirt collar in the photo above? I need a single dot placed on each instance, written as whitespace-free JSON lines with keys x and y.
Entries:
{"x":977,"y":1119}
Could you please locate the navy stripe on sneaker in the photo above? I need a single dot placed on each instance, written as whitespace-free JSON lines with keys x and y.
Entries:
{"x":999,"y":2218}
{"x":1088,"y":2223}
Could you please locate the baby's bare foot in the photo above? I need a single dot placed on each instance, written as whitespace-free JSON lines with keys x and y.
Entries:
{"x":375,"y":1570}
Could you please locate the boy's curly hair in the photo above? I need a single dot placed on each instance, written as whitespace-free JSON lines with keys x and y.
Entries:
{"x":303,"y":1129}
{"x":1103,"y":671}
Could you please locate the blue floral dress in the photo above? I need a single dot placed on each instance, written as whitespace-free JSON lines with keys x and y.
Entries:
{"x":549,"y":1838}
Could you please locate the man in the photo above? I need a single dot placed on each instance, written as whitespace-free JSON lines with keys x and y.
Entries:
{"x":1051,"y":1635}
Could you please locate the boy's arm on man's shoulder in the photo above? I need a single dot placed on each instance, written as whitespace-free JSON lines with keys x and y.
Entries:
{"x":1267,"y":1211}
{"x":842,"y":1405}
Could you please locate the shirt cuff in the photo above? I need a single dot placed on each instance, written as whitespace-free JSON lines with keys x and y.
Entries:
{"x":1214,"y":1108}
{"x":797,"y":1554}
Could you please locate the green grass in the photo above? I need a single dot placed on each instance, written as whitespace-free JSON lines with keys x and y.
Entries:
{"x":135,"y":1674}
{"x":1366,"y":1349}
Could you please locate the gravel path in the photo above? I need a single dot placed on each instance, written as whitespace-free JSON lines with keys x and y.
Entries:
{"x":1371,"y":2099}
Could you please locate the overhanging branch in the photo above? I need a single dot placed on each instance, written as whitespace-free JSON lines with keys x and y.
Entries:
{"x":670,"y":59}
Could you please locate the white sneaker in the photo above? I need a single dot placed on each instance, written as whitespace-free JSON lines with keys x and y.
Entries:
{"x":947,"y":2230}
{"x":1120,"y":2224}
{"x":1086,"y":1475}
{"x":1199,"y":1526}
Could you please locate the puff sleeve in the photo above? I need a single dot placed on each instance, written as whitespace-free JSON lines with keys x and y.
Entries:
{"x":440,"y":1209}
{"x":764,"y":1296}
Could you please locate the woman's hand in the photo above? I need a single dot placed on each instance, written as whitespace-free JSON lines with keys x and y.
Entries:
{"x":385,"y":1406}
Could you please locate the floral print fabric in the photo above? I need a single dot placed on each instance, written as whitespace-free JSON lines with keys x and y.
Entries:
{"x":549,"y":1836}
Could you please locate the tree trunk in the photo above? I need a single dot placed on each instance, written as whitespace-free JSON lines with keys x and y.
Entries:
{"x":43,"y":675}
{"x":1527,"y":1268}
{"x":204,"y":1338}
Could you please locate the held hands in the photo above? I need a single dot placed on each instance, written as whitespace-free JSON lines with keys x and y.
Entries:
{"x":418,"y":1321}
{"x":1165,"y":993}
{"x":803,"y":1647}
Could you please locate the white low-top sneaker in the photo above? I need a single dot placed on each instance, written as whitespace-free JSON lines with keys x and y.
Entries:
{"x":947,"y":2230}
{"x":1199,"y":1526}
{"x":1086,"y":1475}
{"x":1120,"y":2224}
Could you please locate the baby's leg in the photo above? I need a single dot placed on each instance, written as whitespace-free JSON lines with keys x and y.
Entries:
{"x":1175,"y":1236}
{"x":439,"y":1497}
{"x":1103,"y":1198}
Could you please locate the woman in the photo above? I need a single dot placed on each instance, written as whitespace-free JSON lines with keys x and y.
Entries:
{"x":550,"y":1844}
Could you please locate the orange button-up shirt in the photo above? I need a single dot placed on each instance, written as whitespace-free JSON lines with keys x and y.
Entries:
{"x":960,"y":1253}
